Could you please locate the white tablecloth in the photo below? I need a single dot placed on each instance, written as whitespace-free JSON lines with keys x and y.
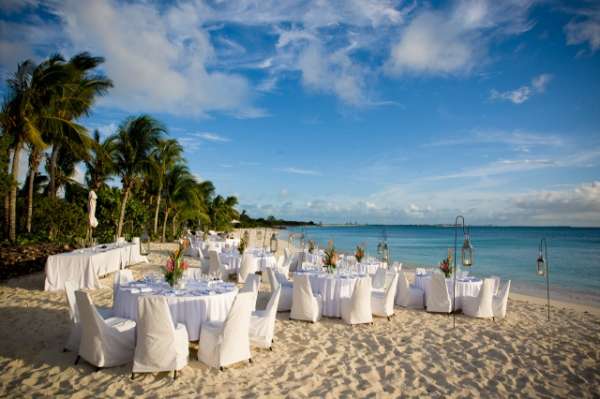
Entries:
{"x":84,"y":266}
{"x":230,"y":261}
{"x":370,"y":267}
{"x":332,"y":289}
{"x":469,"y":286}
{"x":191,"y":306}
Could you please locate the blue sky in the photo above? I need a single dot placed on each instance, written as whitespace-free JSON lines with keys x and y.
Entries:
{"x":368,"y":111}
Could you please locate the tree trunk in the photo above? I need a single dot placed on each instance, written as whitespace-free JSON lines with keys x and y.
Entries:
{"x":122,"y":213}
{"x":174,"y":230}
{"x":12,"y":233}
{"x":6,"y":214}
{"x":52,"y":170}
{"x":156,"y":212}
{"x":164,"y":229}
{"x":34,"y":162}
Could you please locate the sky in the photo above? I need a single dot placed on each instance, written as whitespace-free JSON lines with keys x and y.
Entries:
{"x":374,"y":111}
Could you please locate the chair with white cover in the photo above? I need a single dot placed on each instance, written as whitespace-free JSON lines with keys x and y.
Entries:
{"x":224,"y":343}
{"x":75,"y":334}
{"x":480,"y":305}
{"x":500,"y":300}
{"x":496,"y":284}
{"x":407,"y":295}
{"x":357,"y":308}
{"x":161,"y":346}
{"x":248,"y":265}
{"x":121,"y":277}
{"x":214,"y":263}
{"x":262,"y":323}
{"x":437,"y":297}
{"x":286,"y":296}
{"x":305,"y":305}
{"x":379,"y":279}
{"x":104,"y":342}
{"x":382,"y":303}
{"x":252,"y":284}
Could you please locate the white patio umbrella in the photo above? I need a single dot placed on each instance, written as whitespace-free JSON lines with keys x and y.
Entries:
{"x":93,"y":222}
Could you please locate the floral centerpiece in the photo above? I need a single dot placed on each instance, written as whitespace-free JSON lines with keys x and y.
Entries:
{"x":311,"y":246}
{"x":242,"y":245}
{"x":330,"y":258}
{"x":175,"y":266}
{"x":446,"y":264}
{"x":360,"y":253}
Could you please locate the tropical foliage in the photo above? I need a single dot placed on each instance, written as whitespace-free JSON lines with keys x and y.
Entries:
{"x":155,"y":190}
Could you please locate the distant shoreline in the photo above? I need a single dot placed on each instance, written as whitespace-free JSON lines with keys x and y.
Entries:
{"x":445,"y":225}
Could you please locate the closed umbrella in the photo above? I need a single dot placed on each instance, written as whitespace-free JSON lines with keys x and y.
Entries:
{"x":93,"y":222}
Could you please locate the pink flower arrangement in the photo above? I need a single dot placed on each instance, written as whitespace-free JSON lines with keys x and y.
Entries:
{"x":175,"y":266}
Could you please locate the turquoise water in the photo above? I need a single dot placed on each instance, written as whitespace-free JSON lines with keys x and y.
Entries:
{"x":508,"y":252}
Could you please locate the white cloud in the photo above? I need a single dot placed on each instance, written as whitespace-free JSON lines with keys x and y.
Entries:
{"x":585,"y":28}
{"x":454,"y":40}
{"x":523,"y":93}
{"x":300,"y":171}
{"x":214,"y":137}
{"x":519,"y":139}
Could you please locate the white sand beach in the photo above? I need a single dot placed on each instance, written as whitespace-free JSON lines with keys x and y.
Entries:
{"x":414,"y":354}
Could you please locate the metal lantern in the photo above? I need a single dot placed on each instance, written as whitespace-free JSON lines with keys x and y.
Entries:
{"x":247,"y":237}
{"x":466,"y":252}
{"x":145,"y":244}
{"x":386,"y":253}
{"x":274,"y":243}
{"x":543,"y":269}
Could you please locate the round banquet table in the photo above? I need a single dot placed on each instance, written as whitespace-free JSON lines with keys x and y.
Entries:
{"x":332,"y":288}
{"x":195,"y":304}
{"x":264,"y":259}
{"x":230,"y":261}
{"x":369,"y":267}
{"x":468,"y":286}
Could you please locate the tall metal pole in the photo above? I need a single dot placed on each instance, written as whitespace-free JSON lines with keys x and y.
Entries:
{"x":547,"y":273}
{"x":454,"y":271}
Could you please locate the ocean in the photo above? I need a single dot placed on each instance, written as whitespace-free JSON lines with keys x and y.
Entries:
{"x":508,"y":252}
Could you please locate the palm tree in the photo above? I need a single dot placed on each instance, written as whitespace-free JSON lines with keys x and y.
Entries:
{"x":134,"y":142}
{"x":73,"y":99}
{"x":99,"y":165}
{"x":167,"y":153}
{"x":35,"y":157}
{"x":222,"y":211}
{"x":179,"y":183}
{"x":20,"y":119}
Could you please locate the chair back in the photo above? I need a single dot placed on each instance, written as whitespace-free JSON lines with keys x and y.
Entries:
{"x":70,"y":288}
{"x":236,"y":329}
{"x":273,"y":282}
{"x":361,"y":299}
{"x":496,"y":284}
{"x":390,"y":294}
{"x":302,"y":295}
{"x":155,"y":332}
{"x":271,"y":309}
{"x":248,"y":266}
{"x":91,"y":326}
{"x":437,"y":296}
{"x":486,"y":294}
{"x":122,"y":277}
{"x":252,"y":283}
{"x":379,"y":278}
{"x":214,"y":263}
{"x":500,"y":301}
{"x":403,"y":295}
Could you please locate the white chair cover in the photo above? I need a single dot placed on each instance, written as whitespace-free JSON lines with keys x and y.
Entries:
{"x":379,"y":279}
{"x":252,"y":284}
{"x":75,"y":334}
{"x":500,"y":300}
{"x":228,"y":342}
{"x":214,"y":263}
{"x":357,"y":309}
{"x":496,"y":284}
{"x":262,"y":322}
{"x":121,"y":277}
{"x":480,"y":305}
{"x":407,"y":296}
{"x":305,"y":305}
{"x":286,"y":296}
{"x":438,"y":298}
{"x":248,"y":266}
{"x":104,"y":343}
{"x":160,"y":346}
{"x":382,"y":303}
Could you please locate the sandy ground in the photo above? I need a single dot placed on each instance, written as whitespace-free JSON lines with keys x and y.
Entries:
{"x":414,"y":354}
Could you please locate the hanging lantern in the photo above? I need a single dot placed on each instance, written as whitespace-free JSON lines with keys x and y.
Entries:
{"x":247,"y":237}
{"x":467,"y":251}
{"x":385,"y":250}
{"x":145,"y":244}
{"x":274,"y":243}
{"x":541,"y":265}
